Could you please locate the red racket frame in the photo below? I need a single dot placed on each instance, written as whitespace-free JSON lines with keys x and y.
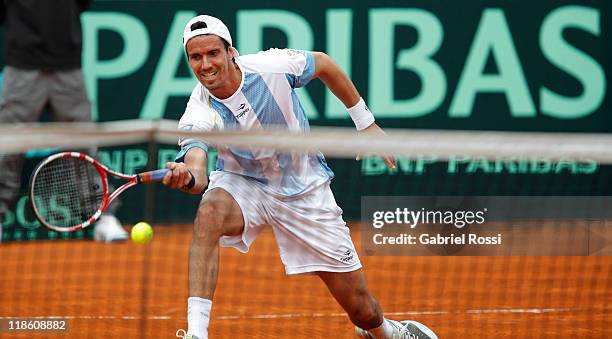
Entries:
{"x":103,"y":171}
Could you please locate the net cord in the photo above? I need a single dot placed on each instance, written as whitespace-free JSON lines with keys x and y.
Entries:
{"x":333,"y":142}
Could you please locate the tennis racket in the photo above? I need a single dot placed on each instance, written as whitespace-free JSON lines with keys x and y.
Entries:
{"x":69,"y":190}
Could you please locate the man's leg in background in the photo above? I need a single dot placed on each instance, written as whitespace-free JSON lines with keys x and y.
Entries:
{"x":24,"y":95}
{"x":69,"y":103}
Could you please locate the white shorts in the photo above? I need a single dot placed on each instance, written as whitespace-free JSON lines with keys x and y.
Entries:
{"x":309,"y":230}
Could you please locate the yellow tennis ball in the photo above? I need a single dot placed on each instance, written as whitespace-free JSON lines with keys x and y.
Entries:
{"x":142,"y":233}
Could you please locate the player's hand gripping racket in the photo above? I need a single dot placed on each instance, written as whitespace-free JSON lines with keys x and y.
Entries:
{"x":69,"y":191}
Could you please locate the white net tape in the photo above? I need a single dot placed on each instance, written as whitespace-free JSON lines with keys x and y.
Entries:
{"x":333,"y":142}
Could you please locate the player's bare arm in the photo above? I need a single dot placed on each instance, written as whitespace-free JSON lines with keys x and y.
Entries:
{"x":343,"y":88}
{"x":328,"y":71}
{"x":182,"y":173}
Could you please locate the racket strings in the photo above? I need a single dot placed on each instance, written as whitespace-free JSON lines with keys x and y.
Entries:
{"x":67,"y":191}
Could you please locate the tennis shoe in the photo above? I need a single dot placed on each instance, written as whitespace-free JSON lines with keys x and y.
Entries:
{"x":361,"y":333}
{"x":406,"y":329}
{"x":183,"y":335}
{"x":108,"y":229}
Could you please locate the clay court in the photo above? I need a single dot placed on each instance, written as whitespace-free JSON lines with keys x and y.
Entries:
{"x":129,"y":291}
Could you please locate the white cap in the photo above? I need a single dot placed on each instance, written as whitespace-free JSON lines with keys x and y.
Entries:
{"x":209,"y":25}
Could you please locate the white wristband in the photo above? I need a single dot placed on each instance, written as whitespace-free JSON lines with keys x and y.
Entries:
{"x":361,"y":115}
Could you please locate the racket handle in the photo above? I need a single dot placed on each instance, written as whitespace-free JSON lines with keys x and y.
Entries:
{"x":152,"y":176}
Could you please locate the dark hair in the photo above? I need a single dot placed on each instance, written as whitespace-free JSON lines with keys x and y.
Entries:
{"x":201,"y":24}
{"x":198,"y":25}
{"x":227,"y":46}
{"x":225,"y":43}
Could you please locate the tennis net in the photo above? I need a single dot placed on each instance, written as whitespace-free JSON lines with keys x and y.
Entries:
{"x":545,"y":194}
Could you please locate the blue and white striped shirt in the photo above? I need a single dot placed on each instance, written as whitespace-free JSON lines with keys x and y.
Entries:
{"x":266,"y":98}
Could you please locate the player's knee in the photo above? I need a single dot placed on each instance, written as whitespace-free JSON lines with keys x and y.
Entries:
{"x":209,"y":222}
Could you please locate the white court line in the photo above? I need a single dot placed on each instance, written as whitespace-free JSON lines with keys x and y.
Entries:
{"x":521,"y":310}
{"x":324,"y":315}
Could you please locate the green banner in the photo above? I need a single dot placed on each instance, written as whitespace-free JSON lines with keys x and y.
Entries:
{"x":515,"y":65}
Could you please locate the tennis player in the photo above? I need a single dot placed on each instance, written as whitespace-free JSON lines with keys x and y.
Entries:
{"x":253,"y":188}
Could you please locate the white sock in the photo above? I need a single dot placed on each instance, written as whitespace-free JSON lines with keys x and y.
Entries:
{"x":384,"y":331}
{"x":198,"y":316}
